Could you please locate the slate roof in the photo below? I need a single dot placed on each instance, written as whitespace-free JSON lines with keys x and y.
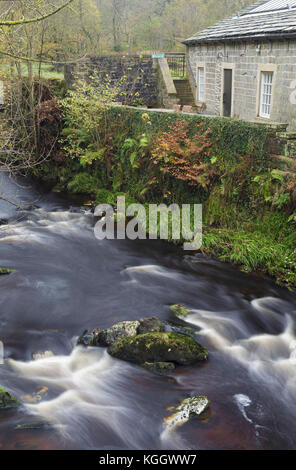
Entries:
{"x":268,"y":19}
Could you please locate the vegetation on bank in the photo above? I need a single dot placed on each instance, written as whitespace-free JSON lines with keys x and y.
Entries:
{"x":248,"y":194}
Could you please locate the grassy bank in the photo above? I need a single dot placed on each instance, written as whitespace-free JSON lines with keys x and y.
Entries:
{"x":248,"y":194}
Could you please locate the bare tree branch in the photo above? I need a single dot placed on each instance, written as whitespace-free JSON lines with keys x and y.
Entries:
{"x":35,"y":20}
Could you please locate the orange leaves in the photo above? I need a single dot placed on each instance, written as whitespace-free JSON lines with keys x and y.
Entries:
{"x":182,"y":155}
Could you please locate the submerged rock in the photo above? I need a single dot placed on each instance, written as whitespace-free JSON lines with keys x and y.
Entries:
{"x":160,"y":368}
{"x":125,"y":329}
{"x":33,"y":425}
{"x":189,"y":408}
{"x":150,"y":325}
{"x":159,"y":347}
{"x":179,"y":311}
{"x":7,"y":400}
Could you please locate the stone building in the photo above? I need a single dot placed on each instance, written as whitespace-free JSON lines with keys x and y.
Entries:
{"x":245,"y":66}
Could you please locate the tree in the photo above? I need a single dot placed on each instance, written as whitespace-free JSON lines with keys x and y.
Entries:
{"x":151,"y":25}
{"x":25,"y":41}
{"x":37,"y":18}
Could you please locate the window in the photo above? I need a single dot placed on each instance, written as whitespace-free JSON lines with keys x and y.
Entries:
{"x":201,"y":83}
{"x":266,"y":94}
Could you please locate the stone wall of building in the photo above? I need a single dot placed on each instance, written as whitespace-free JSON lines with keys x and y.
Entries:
{"x":246,"y":60}
{"x":136,"y":75}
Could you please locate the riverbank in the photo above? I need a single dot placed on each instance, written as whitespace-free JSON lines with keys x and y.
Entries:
{"x":248,"y":193}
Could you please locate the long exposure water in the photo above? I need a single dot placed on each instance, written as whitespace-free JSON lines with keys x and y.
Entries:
{"x":66,"y":281}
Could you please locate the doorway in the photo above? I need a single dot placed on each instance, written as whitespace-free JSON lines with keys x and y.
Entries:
{"x":227,"y":92}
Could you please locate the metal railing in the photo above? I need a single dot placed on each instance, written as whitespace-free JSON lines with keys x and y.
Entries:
{"x":177,"y":63}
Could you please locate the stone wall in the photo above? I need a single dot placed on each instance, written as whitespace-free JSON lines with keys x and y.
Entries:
{"x":136,"y":75}
{"x":246,"y":59}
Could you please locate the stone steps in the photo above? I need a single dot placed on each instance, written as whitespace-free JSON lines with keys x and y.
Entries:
{"x":184,"y":92}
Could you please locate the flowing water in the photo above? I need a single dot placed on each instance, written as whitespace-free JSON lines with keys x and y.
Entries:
{"x":66,"y":281}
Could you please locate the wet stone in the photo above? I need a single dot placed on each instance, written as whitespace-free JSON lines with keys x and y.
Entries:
{"x":150,"y":325}
{"x":159,"y":368}
{"x":159,"y":347}
{"x":179,"y":311}
{"x":188,"y":409}
{"x":119,"y":331}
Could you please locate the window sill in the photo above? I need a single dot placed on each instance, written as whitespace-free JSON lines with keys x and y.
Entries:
{"x":263,"y":119}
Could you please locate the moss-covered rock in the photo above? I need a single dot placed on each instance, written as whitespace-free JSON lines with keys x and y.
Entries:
{"x":7,"y":400}
{"x":125,"y":329}
{"x":159,"y":368}
{"x":5,"y":271}
{"x":188,"y":409}
{"x":179,"y":311}
{"x":159,"y":347}
{"x":150,"y":325}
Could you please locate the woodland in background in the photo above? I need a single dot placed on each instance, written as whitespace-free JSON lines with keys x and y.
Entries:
{"x":159,"y":25}
{"x":104,"y":26}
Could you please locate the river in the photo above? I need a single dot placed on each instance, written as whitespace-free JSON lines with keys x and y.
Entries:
{"x":66,"y":281}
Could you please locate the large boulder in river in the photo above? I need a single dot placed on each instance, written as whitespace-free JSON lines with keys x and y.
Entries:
{"x":159,"y":347}
{"x":7,"y":400}
{"x":125,"y":329}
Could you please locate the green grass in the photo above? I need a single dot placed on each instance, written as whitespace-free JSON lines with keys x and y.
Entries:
{"x":254,"y":251}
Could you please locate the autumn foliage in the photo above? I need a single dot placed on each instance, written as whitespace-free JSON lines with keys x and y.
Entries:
{"x":183,"y":156}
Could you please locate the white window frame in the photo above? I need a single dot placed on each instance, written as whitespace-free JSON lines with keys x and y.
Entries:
{"x":264,"y":109}
{"x":200,"y":97}
{"x":201,"y":84}
{"x":266,"y":94}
